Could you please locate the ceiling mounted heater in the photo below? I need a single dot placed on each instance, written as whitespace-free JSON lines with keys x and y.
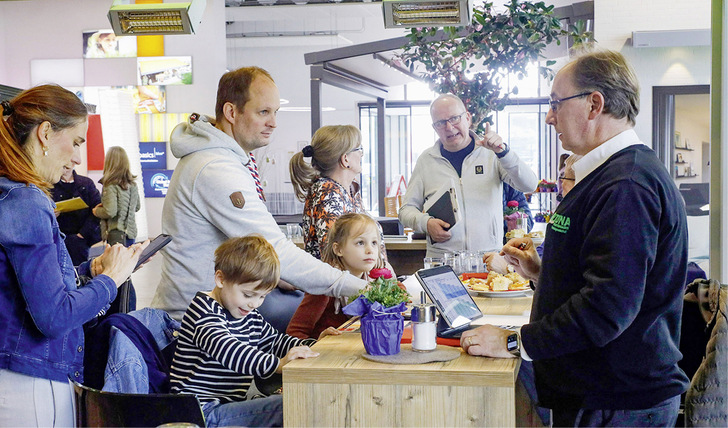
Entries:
{"x":427,"y":13}
{"x":129,"y":19}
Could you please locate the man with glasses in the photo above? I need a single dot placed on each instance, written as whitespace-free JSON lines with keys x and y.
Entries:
{"x":476,"y":168}
{"x":605,"y":322}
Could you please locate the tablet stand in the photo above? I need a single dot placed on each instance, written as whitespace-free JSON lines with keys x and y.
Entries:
{"x":445,"y":331}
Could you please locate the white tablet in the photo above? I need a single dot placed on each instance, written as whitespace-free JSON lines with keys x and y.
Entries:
{"x":444,"y":288}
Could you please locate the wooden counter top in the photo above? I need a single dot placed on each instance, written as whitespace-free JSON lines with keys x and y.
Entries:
{"x":340,"y":388}
{"x":341,"y":362}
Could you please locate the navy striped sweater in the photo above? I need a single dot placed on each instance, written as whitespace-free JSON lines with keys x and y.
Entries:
{"x":217,"y":355}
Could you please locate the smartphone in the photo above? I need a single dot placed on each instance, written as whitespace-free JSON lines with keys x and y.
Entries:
{"x":154,"y":246}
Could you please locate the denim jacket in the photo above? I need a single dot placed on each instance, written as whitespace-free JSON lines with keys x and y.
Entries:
{"x":126,"y":370}
{"x":42,"y":310}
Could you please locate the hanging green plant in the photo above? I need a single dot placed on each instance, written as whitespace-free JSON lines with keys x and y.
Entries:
{"x":473,"y":62}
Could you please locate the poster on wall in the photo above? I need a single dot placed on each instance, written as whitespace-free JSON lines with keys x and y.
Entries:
{"x":105,"y":44}
{"x":150,"y":99}
{"x":157,"y":127}
{"x":153,"y":155}
{"x":156,"y":182}
{"x":164,"y":70}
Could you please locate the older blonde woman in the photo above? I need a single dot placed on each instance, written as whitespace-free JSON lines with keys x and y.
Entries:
{"x":326,"y":185}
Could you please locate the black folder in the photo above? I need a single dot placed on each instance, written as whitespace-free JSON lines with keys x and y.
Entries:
{"x":445,"y":208}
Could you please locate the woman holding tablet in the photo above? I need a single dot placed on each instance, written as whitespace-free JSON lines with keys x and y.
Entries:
{"x":42,"y":303}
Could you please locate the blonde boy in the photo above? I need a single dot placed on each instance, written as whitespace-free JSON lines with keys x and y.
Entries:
{"x":224,"y":342}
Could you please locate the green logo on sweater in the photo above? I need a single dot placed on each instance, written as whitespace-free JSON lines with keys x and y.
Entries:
{"x":560,"y":223}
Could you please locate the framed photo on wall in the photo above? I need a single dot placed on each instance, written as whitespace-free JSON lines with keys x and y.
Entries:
{"x":164,"y":70}
{"x":105,"y":44}
{"x":678,"y":140}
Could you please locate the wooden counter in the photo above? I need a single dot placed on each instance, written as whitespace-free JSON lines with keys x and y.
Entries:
{"x":340,"y":388}
{"x":406,"y":257}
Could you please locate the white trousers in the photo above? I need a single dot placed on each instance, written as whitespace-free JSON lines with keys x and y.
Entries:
{"x":27,"y":401}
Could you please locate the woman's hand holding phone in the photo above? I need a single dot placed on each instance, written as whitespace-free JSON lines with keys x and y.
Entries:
{"x":118,"y":262}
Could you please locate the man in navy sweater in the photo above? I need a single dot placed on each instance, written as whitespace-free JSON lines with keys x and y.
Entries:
{"x":605,"y":322}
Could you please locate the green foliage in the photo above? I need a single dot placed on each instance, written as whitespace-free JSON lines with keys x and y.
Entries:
{"x":384,"y":291}
{"x":473,"y":62}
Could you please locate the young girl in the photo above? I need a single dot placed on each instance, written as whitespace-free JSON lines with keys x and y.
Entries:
{"x":119,"y":199}
{"x":352,"y":244}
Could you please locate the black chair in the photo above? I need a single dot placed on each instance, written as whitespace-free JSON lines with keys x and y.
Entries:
{"x":94,"y":408}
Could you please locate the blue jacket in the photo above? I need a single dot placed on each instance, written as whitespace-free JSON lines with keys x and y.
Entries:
{"x":126,"y":369}
{"x":42,"y":310}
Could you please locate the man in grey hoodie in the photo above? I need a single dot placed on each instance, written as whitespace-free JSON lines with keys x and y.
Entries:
{"x":215,"y":194}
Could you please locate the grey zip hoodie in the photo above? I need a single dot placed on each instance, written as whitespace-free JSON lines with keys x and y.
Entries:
{"x":212,"y":197}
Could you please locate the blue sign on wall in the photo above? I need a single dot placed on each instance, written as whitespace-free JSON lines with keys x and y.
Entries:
{"x":153,"y":155}
{"x":156,"y":182}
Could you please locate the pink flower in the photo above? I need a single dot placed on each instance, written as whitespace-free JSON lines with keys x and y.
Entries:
{"x":512,"y":204}
{"x":380,"y":273}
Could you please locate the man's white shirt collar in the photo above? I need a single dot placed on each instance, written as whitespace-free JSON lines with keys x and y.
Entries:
{"x":599,"y":155}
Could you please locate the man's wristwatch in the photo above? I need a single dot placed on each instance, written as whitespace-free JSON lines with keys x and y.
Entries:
{"x":513,"y":344}
{"x":504,"y":152}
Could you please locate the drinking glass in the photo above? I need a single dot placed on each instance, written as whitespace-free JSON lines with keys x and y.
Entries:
{"x":431,"y":262}
{"x":291,"y":229}
{"x":471,"y":262}
{"x":453,"y":260}
{"x":522,"y":222}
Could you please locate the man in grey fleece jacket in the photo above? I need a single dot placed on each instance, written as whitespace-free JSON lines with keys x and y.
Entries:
{"x":212,"y":196}
{"x":476,"y":168}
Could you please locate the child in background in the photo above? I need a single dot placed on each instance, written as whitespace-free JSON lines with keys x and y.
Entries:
{"x":119,"y":199}
{"x":224,"y":342}
{"x":352,"y":244}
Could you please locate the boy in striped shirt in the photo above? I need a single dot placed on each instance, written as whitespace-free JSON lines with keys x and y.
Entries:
{"x":224,"y":342}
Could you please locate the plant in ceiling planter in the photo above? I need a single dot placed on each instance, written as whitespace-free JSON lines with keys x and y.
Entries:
{"x":473,"y":62}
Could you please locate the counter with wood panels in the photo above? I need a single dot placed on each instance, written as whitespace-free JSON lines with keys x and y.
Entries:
{"x":340,"y":388}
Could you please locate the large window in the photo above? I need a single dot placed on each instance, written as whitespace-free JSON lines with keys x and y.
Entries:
{"x":409,"y":132}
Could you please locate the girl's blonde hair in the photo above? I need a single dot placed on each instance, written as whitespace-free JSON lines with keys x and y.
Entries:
{"x":116,"y":168}
{"x":352,"y":224}
{"x":329,"y":144}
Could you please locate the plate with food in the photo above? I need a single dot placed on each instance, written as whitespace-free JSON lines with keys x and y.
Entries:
{"x":496,"y":285}
{"x":537,"y":237}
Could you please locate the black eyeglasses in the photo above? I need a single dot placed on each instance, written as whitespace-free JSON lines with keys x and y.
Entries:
{"x":566,"y":178}
{"x":454,"y":120}
{"x":554,"y":104}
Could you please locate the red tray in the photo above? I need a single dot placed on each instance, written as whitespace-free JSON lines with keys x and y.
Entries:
{"x":468,"y":275}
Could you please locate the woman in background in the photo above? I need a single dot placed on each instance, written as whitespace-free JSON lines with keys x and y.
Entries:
{"x":119,"y":199}
{"x":327,"y":186}
{"x":42,"y":305}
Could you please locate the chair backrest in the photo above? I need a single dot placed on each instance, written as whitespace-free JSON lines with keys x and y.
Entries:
{"x":706,"y":401}
{"x":96,"y":408}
